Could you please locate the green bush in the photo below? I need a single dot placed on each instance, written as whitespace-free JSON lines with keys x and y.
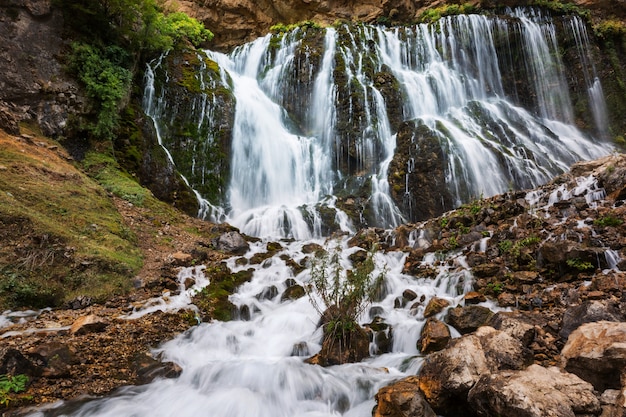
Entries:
{"x":344,"y":294}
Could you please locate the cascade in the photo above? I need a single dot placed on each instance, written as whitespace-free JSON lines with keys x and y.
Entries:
{"x":320,"y":120}
{"x":317,"y":117}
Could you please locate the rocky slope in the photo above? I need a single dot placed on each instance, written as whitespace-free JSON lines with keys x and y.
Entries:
{"x":553,"y":256}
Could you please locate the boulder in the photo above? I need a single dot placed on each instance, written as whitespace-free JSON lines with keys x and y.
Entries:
{"x":502,"y":350}
{"x":589,"y":311}
{"x":435,"y":306}
{"x":231,"y":242}
{"x":13,"y":362}
{"x":596,"y":352}
{"x":402,"y":399}
{"x":87,"y":324}
{"x":58,"y":358}
{"x":474,"y":297}
{"x":468,"y":319}
{"x":435,"y":336}
{"x":447,"y":376}
{"x":533,"y":392}
{"x":293,"y":293}
{"x":148,"y":368}
{"x":514,"y":325}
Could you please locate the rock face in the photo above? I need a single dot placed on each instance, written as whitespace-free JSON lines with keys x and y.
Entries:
{"x":33,"y":85}
{"x":534,"y":392}
{"x":596,"y":352}
{"x":467,"y":319}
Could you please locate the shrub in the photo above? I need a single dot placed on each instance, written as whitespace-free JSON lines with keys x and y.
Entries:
{"x":343,"y":294}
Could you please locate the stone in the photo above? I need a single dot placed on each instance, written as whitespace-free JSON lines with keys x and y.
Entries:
{"x":588,"y":312}
{"x":148,"y":368}
{"x":447,"y":376}
{"x":181,"y":259}
{"x":474,"y":297}
{"x":402,"y":399}
{"x":435,"y":306}
{"x":596,"y":352}
{"x":435,"y":336}
{"x":14,"y":362}
{"x":502,"y":350}
{"x":409,"y":295}
{"x":231,"y":242}
{"x":468,"y":319}
{"x":87,"y":324}
{"x":513,"y":325}
{"x":293,"y":293}
{"x":533,"y":392}
{"x":58,"y":358}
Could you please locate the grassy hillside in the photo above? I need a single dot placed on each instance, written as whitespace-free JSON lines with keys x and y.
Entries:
{"x":61,"y":234}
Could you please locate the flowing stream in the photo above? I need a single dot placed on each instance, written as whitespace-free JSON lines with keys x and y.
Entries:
{"x":286,"y":164}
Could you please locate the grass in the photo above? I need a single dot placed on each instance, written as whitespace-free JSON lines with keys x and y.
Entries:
{"x":62,"y":235}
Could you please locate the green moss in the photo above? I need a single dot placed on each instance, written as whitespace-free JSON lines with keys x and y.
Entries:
{"x":434,"y":14}
{"x":213,"y":299}
{"x":560,"y":8}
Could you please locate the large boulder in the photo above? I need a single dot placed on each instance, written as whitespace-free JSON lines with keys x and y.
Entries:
{"x":447,"y":376}
{"x":596,"y":352}
{"x":402,"y":399}
{"x":435,"y":336}
{"x":533,"y":392}
{"x":589,"y":311}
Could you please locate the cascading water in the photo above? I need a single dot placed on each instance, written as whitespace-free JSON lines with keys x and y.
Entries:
{"x":318,"y":111}
{"x":318,"y":114}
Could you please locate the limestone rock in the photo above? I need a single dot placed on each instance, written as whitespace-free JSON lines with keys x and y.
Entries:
{"x":588,"y":312}
{"x":468,"y":319}
{"x":513,"y":325}
{"x":447,"y":376}
{"x":596,"y":352}
{"x":402,"y":399}
{"x":181,"y":259}
{"x":503,"y":351}
{"x":474,"y":297}
{"x":87,"y":324}
{"x":533,"y":392}
{"x":435,"y":306}
{"x":435,"y":336}
{"x":232,"y":242}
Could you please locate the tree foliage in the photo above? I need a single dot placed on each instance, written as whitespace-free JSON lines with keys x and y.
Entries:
{"x":115,"y":36}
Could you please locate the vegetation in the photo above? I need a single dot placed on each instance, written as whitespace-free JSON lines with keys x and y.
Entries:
{"x":579,"y":264}
{"x":559,"y":8}
{"x":608,"y":221}
{"x":282,"y":28}
{"x":10,"y":383}
{"x":62,"y":235}
{"x":340,"y":296}
{"x":109,"y":29}
{"x":434,"y":14}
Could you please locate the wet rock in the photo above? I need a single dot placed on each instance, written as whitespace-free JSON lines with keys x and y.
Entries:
{"x":231,"y":242}
{"x":300,"y":349}
{"x":268,"y":293}
{"x":402,"y":399}
{"x":588,"y":312}
{"x":435,"y":306}
{"x":434,"y":337}
{"x":87,"y":324}
{"x":312,"y":248}
{"x":293,"y":293}
{"x":533,"y":392}
{"x":149,"y":368}
{"x":468,"y":319}
{"x":409,"y":295}
{"x":596,"y":352}
{"x":486,"y":270}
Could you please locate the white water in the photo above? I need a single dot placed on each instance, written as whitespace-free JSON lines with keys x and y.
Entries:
{"x":248,"y":368}
{"x":451,"y":80}
{"x":284,"y":166}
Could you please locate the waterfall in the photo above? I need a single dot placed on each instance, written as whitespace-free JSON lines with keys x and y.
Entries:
{"x":318,"y":134}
